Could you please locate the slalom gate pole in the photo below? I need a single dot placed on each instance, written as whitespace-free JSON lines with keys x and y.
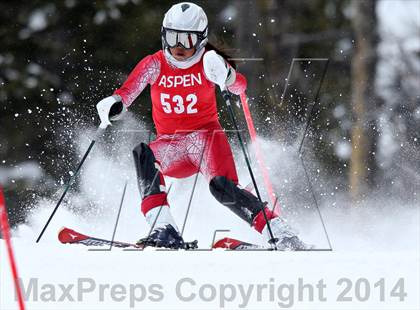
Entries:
{"x":258,"y":153}
{"x":226,"y":97}
{"x":301,"y":151}
{"x":72,"y":179}
{"x":5,"y":232}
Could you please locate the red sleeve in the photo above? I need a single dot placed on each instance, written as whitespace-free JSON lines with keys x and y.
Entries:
{"x":239,"y":86}
{"x":145,"y":72}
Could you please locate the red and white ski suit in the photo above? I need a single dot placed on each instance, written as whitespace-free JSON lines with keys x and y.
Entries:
{"x":189,"y":136}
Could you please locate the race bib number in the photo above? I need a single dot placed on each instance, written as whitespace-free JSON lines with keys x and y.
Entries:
{"x":178,"y":105}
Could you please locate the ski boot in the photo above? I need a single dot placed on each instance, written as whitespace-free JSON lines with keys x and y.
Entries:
{"x":285,"y":239}
{"x":166,"y":237}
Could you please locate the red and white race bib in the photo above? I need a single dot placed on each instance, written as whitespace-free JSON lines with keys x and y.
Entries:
{"x":182,"y":99}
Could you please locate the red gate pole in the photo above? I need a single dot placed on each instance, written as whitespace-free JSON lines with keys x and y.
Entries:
{"x":258,"y":153}
{"x":5,"y":231}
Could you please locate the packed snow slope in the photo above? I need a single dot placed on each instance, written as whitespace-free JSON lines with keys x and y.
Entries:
{"x":374,"y":262}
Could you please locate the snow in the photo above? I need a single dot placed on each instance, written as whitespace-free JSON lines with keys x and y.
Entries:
{"x":343,"y":149}
{"x":399,"y":28}
{"x":138,"y":272}
{"x":379,"y":239}
{"x":399,"y":17}
{"x":388,"y":142}
{"x":38,"y":20}
{"x":28,"y":171}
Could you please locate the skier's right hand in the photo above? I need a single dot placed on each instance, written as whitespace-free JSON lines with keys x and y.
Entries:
{"x":110,"y":108}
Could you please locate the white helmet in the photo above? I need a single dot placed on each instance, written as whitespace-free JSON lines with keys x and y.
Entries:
{"x":185,"y":24}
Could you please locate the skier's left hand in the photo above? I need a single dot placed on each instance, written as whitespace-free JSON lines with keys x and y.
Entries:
{"x":217,"y":70}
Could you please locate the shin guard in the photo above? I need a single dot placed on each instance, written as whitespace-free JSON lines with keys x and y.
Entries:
{"x":149,"y":178}
{"x":239,"y":201}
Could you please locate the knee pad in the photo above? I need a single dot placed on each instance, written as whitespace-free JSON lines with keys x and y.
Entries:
{"x":149,"y":178}
{"x":239,"y":201}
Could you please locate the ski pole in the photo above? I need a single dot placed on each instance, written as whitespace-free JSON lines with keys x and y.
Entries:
{"x":226,"y":97}
{"x":260,"y":158}
{"x":98,"y":133}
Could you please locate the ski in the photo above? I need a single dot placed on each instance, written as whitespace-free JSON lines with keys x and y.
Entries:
{"x":67,"y":235}
{"x":238,"y":245}
{"x":70,"y":236}
{"x":235,"y":244}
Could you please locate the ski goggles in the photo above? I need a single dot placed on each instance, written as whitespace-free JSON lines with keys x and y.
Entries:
{"x":187,"y":40}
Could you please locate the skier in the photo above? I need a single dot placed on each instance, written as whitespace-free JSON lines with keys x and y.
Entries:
{"x":183,"y":76}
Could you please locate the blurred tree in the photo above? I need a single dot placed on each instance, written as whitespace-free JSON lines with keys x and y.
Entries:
{"x":399,"y":76}
{"x":278,"y":32}
{"x":365,"y":101}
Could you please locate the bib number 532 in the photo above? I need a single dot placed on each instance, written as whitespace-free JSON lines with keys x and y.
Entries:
{"x":176,"y":104}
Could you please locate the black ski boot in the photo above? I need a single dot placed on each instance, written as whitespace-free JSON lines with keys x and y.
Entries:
{"x":166,"y":237}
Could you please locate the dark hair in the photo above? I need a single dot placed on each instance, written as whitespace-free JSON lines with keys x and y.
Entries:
{"x":212,"y":47}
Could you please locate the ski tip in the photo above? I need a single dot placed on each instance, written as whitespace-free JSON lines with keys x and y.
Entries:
{"x":227,"y":243}
{"x":67,"y":235}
